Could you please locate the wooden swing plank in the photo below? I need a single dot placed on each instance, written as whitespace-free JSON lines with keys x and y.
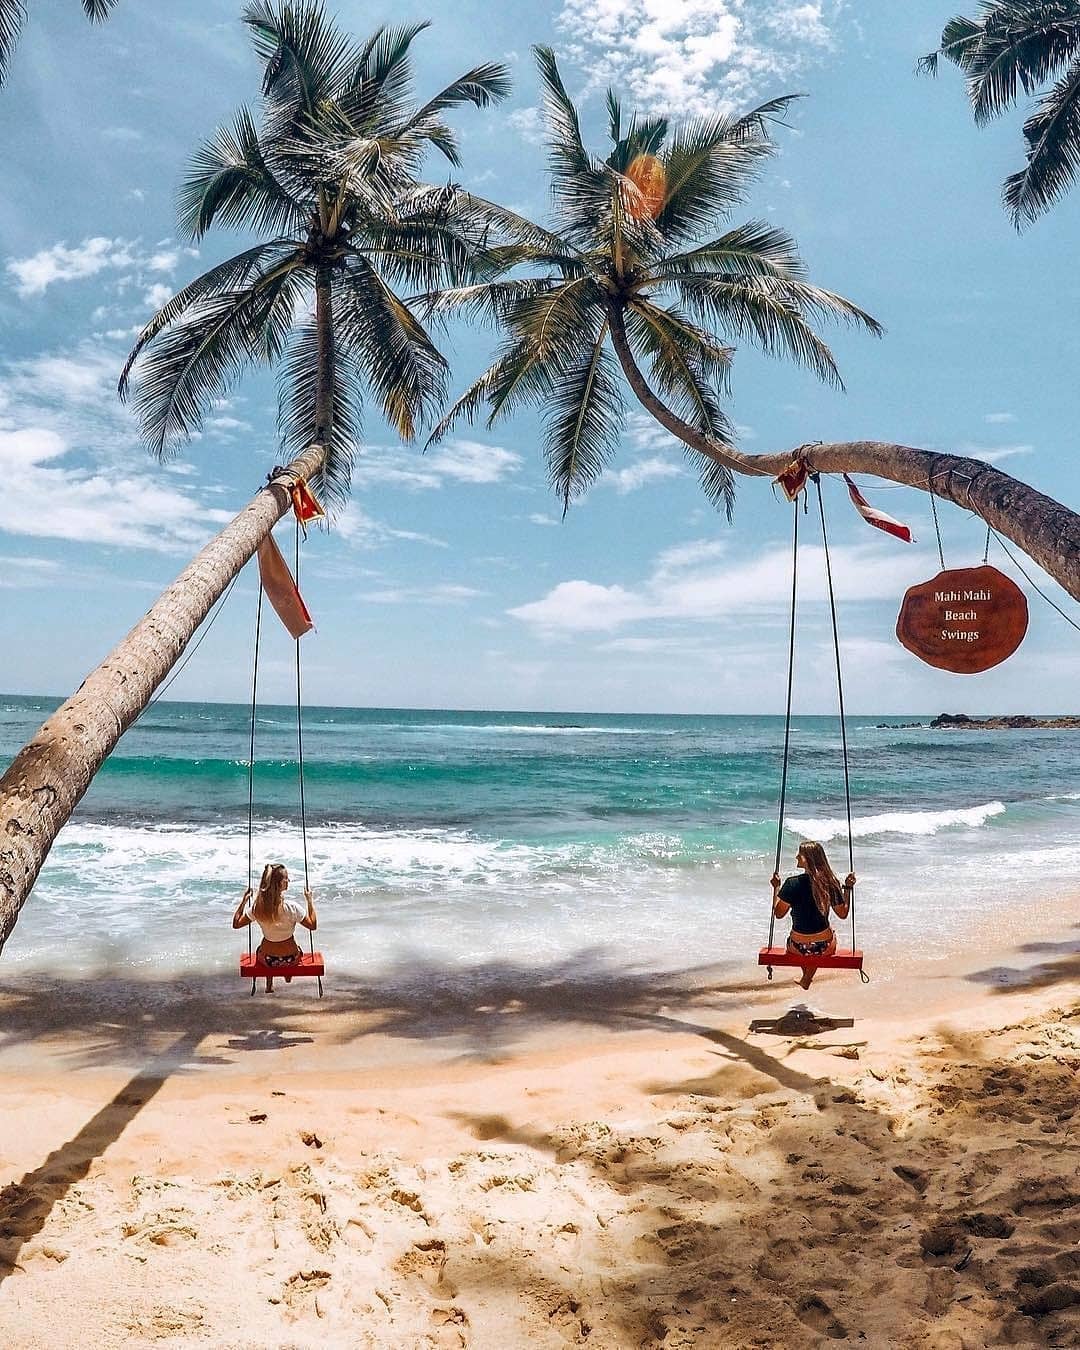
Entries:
{"x":838,"y":960}
{"x":312,"y":963}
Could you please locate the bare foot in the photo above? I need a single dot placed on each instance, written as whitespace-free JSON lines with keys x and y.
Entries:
{"x":807,"y":978}
{"x":269,"y":984}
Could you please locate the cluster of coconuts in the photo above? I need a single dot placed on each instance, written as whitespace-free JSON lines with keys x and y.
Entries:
{"x":648,"y":176}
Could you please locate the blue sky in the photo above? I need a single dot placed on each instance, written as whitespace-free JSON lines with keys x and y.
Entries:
{"x":451,"y":582}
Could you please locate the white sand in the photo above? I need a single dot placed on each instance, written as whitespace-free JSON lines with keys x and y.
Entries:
{"x":620,"y":1164}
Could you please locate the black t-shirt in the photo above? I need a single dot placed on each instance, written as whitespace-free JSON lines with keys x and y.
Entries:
{"x":798,"y":892}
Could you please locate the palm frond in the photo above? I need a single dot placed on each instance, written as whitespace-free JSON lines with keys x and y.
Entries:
{"x":403,"y":367}
{"x":582,"y":187}
{"x":583,"y":420}
{"x":496,"y":301}
{"x":12,"y":18}
{"x":755,"y":248}
{"x":764,"y":311}
{"x":198,"y":359}
{"x":716,"y":481}
{"x":709,"y":164}
{"x":690,"y":369}
{"x":614,"y":111}
{"x":1019,"y":44}
{"x":99,"y":10}
{"x":422,"y":255}
{"x":229,"y":180}
{"x":1053,"y":152}
{"x":483,"y":86}
{"x":689,"y":365}
{"x":233,"y":275}
{"x":298,"y":380}
{"x":518,"y":377}
{"x":305,"y":55}
{"x":755,"y":123}
{"x":557,"y":320}
{"x":377,"y":94}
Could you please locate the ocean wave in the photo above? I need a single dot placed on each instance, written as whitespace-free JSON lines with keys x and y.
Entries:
{"x":897,"y":822}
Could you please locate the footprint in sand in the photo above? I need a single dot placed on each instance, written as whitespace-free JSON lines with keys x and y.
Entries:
{"x":565,"y":1317}
{"x":303,"y":1285}
{"x":815,"y":1313}
{"x":21,"y":1211}
{"x":426,"y":1261}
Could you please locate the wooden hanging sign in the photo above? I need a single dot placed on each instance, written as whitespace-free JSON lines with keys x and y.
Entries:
{"x":966,"y":619}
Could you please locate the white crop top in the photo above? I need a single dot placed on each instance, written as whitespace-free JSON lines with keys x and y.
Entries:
{"x":281,"y":929}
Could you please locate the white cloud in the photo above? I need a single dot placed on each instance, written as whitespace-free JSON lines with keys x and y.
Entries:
{"x":539,"y":518}
{"x":157,"y":295}
{"x":695,"y":57}
{"x":363,"y":531}
{"x":998,"y":418}
{"x":644,"y":471}
{"x":48,"y":499}
{"x":36,"y":273}
{"x":687,"y":555}
{"x":691,"y":583}
{"x":991,"y":454}
{"x":529,"y":124}
{"x":444,"y":594}
{"x":645,"y":432}
{"x":60,"y":263}
{"x":459,"y":461}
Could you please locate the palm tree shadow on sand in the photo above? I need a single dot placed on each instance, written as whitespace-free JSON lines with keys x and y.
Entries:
{"x":197,"y":1024}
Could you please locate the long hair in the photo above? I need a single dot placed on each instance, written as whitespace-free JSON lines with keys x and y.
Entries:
{"x":824,"y":884}
{"x":267,"y":906}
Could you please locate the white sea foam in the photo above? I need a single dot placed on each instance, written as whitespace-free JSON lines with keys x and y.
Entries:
{"x":897,"y":822}
{"x":525,"y":730}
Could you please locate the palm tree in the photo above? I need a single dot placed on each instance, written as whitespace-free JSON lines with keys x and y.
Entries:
{"x":626,"y":233}
{"x":631,"y":274}
{"x":13,"y":15}
{"x":1019,"y":45}
{"x":330,"y":173}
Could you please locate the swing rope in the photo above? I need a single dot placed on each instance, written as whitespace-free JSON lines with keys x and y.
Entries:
{"x":816,"y":478}
{"x":787,"y":713}
{"x":840,"y":700}
{"x":299,"y":759}
{"x":251,"y":755}
{"x":300,"y":756}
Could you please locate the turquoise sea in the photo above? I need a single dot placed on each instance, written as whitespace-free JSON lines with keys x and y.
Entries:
{"x":469,"y":838}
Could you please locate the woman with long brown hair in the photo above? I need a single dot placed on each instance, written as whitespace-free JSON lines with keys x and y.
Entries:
{"x":277,"y":917}
{"x":810,"y":897}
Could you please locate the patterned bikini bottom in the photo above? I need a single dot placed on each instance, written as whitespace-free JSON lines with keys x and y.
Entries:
{"x":819,"y":948}
{"x":287,"y":960}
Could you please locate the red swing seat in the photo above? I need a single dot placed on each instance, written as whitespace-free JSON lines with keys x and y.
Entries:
{"x":308,"y":963}
{"x":838,"y":960}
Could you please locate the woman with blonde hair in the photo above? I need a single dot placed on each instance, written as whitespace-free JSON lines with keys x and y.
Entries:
{"x":810,"y":897}
{"x":277,"y":917}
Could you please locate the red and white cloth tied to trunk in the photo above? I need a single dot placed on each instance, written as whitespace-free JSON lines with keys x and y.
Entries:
{"x":877,"y":518}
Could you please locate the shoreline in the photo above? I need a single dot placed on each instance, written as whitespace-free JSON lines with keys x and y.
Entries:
{"x":186,"y":1165}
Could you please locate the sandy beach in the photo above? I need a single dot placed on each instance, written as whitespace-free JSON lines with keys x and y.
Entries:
{"x":546,"y":1159}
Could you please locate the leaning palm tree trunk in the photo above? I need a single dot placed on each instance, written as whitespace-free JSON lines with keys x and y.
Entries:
{"x":1048,"y":532}
{"x":49,"y":775}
